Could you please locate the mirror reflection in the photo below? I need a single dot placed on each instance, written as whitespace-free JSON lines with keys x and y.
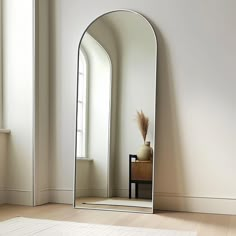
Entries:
{"x":116,"y":96}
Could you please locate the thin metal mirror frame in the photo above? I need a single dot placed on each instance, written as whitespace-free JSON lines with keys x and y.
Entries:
{"x":154,"y":126}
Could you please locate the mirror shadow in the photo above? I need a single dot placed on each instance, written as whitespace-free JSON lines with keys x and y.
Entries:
{"x":116,"y":110}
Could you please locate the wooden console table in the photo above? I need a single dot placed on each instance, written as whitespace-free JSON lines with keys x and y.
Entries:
{"x":140,"y":172}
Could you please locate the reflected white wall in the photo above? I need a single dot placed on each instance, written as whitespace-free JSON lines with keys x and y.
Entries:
{"x":136,"y":83}
{"x":98,"y":102}
{"x":105,"y":35}
{"x":133,"y":51}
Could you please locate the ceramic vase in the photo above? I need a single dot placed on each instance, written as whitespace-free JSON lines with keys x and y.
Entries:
{"x":145,"y":152}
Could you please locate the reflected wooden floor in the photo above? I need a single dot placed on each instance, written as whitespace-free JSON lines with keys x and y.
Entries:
{"x":84,"y":203}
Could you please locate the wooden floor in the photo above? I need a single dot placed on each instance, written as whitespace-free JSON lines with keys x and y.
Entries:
{"x":204,"y":224}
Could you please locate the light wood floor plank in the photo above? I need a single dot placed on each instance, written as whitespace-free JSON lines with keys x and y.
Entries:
{"x":215,"y":225}
{"x":232,"y":226}
{"x":204,"y":224}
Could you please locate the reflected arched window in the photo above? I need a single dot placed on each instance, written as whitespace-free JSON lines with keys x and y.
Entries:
{"x":82,"y":106}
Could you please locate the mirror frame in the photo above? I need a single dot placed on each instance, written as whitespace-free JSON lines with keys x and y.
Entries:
{"x":155,"y":111}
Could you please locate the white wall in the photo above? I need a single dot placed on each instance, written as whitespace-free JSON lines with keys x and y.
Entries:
{"x":3,"y":166}
{"x":41,"y":102}
{"x":62,"y":106}
{"x":18,"y":98}
{"x":196,"y":98}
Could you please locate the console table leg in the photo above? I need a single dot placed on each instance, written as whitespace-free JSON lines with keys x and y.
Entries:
{"x":129,"y":189}
{"x":136,"y":190}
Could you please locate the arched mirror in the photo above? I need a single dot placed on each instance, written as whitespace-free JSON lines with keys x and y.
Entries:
{"x":116,"y":99}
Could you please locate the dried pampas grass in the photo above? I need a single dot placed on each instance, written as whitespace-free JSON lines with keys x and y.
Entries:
{"x":143,"y":123}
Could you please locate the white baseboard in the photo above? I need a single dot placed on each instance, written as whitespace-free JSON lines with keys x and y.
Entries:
{"x":42,"y":197}
{"x":61,"y":196}
{"x":163,"y":201}
{"x":19,"y":197}
{"x":3,"y":197}
{"x":175,"y":202}
{"x":66,"y":195}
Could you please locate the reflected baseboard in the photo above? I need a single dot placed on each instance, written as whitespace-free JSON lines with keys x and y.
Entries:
{"x":91,"y":192}
{"x":124,"y":193}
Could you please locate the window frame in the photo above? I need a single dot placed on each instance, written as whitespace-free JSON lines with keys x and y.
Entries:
{"x":85,"y":113}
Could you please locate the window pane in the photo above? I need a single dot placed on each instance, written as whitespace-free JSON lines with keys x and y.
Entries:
{"x":81,"y":103}
{"x":81,"y":62}
{"x":79,"y":144}
{"x":80,"y":116}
